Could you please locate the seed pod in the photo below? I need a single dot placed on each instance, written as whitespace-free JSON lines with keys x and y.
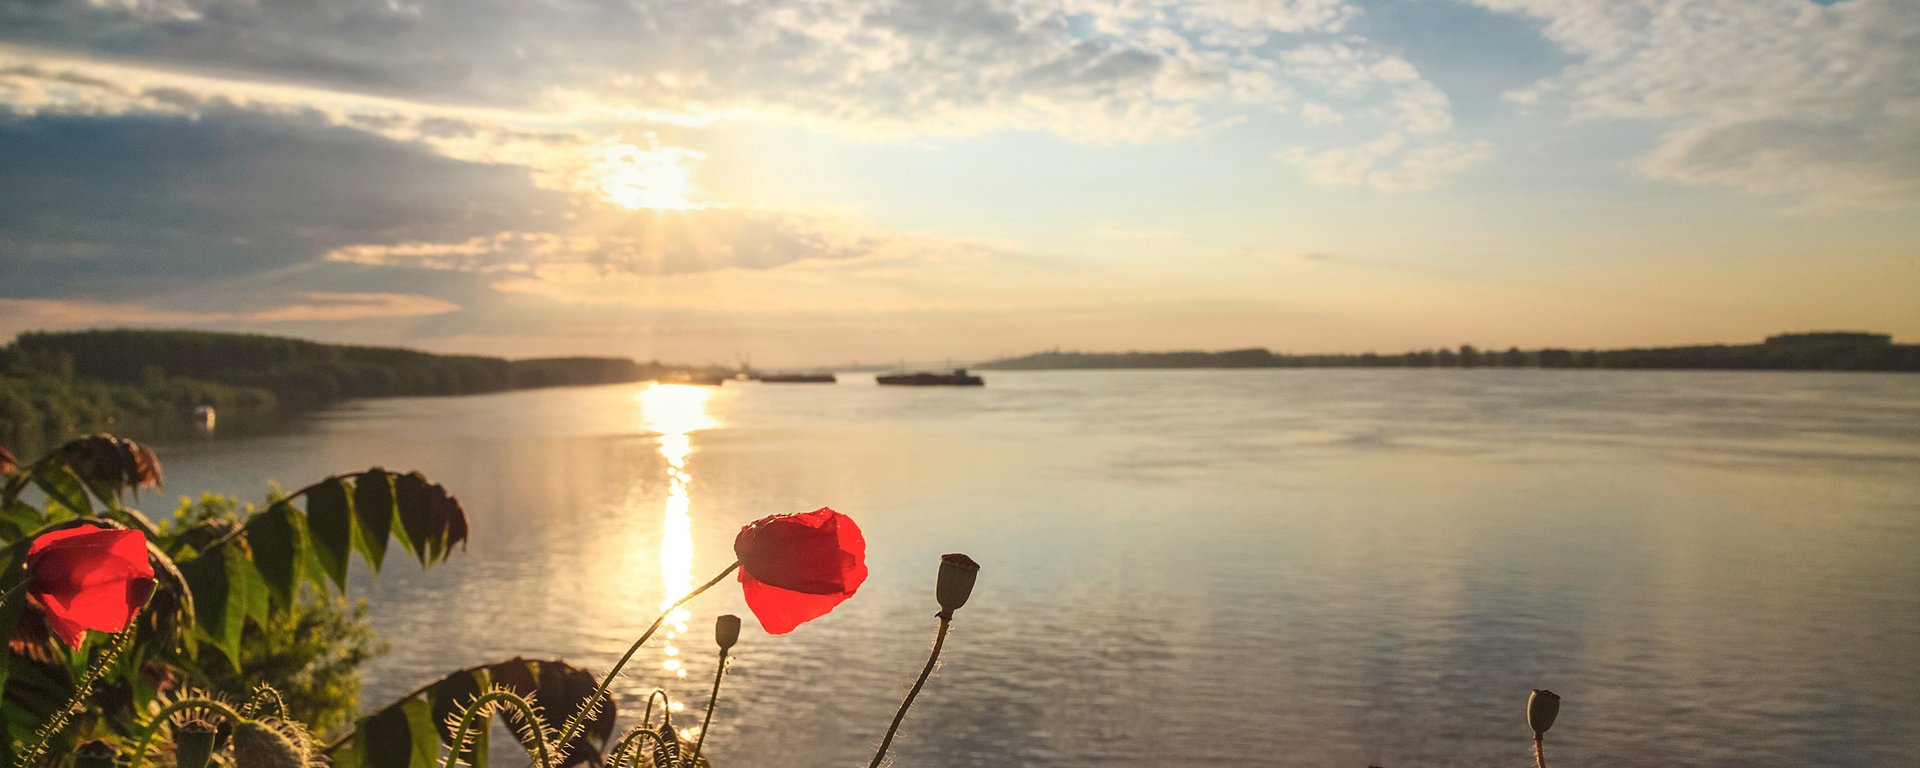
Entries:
{"x":193,"y":743}
{"x":726,"y":630}
{"x":1542,"y":707}
{"x":95,"y":754}
{"x":957,"y":573}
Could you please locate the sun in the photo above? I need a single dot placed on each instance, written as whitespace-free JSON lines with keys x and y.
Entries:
{"x":653,"y":177}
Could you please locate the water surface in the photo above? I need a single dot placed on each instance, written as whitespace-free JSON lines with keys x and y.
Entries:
{"x":1207,"y":568}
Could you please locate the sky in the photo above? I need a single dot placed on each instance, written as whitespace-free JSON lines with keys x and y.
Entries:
{"x":805,"y":182}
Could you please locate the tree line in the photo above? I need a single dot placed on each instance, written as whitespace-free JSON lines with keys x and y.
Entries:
{"x":56,"y":384}
{"x":1820,"y":351}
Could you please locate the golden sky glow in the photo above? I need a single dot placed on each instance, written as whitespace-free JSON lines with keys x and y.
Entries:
{"x":1310,"y":175}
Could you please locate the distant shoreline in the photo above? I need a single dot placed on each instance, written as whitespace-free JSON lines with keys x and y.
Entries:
{"x":1815,"y":351}
{"x":56,"y":385}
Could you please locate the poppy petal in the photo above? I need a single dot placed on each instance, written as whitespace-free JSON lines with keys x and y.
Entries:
{"x":781,"y":610}
{"x":796,"y":568}
{"x":69,"y":631}
{"x":820,"y":552}
{"x":51,"y":538}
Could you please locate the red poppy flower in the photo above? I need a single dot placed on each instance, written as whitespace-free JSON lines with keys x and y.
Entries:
{"x":89,"y":578}
{"x":796,"y":568}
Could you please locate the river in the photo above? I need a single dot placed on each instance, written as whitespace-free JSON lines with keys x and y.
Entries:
{"x":1196,"y":568}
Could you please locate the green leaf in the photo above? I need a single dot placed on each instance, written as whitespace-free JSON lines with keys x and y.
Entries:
{"x":402,"y":736}
{"x":373,"y":509}
{"x":347,"y":755}
{"x":330,"y":523}
{"x":18,"y":518}
{"x":559,"y":687}
{"x":413,"y":505}
{"x":132,"y":518}
{"x":226,"y":592}
{"x":63,"y":489}
{"x":424,"y":515}
{"x":279,"y":536}
{"x":449,"y":694}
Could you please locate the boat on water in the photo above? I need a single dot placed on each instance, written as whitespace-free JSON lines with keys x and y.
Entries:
{"x":698,"y":379}
{"x":959,"y":378}
{"x":800,"y":378}
{"x":203,"y":416}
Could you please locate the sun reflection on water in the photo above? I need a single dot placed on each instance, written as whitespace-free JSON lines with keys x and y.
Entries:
{"x":676,"y":411}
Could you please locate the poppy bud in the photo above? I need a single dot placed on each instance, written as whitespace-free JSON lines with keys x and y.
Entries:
{"x":1542,"y":707}
{"x":957,"y":572}
{"x":192,"y":744}
{"x":667,"y":750}
{"x":270,"y":744}
{"x":726,"y":630}
{"x":95,"y":754}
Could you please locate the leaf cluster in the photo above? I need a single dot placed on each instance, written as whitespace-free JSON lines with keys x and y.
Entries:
{"x":243,"y":595}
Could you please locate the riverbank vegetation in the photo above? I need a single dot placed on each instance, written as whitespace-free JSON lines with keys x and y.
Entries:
{"x":56,"y":384}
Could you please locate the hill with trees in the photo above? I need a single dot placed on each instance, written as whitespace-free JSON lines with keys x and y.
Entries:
{"x":57,"y":384}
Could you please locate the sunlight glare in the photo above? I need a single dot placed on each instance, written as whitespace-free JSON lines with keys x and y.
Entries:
{"x":653,"y":177}
{"x":675,"y":411}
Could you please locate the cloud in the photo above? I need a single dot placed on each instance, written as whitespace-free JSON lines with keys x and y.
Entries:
{"x":36,"y":84}
{"x":293,"y":218}
{"x":644,"y":243}
{"x":129,"y":205}
{"x":1096,"y":71}
{"x":1391,"y":163}
{"x":1384,"y":94}
{"x":1092,"y":71}
{"x":327,"y":306}
{"x":1815,"y":103}
{"x":1429,"y":165}
{"x":319,"y":306}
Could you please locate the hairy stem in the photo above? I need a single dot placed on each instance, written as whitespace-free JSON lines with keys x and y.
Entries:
{"x":480,"y":710}
{"x":160,"y":719}
{"x":579,"y":718}
{"x":82,"y":688}
{"x":1539,"y":751}
{"x":939,"y":639}
{"x":264,"y":695}
{"x":718,"y":672}
{"x":619,"y":755}
{"x":666,"y":707}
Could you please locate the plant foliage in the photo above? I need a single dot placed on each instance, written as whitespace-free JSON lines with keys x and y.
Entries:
{"x":238,"y":589}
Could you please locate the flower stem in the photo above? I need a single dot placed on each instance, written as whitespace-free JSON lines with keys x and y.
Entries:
{"x":82,"y":689}
{"x":1539,"y":751}
{"x":713,"y":697}
{"x":939,"y":639}
{"x":588,"y":707}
